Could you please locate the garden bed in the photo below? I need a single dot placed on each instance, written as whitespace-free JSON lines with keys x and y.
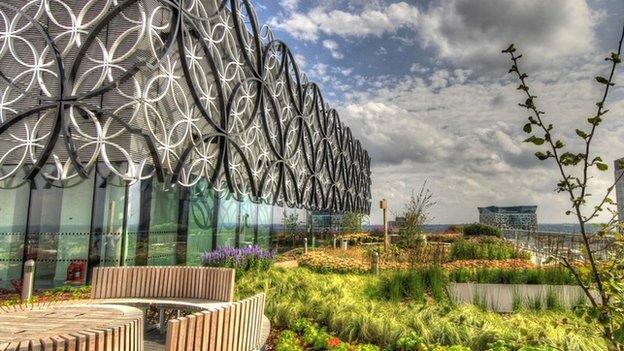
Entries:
{"x":352,"y":307}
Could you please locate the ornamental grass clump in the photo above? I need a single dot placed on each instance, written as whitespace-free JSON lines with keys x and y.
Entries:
{"x":553,"y":275}
{"x":243,"y":259}
{"x":485,"y":248}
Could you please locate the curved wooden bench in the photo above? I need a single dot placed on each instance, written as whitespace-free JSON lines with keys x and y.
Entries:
{"x":240,"y":326}
{"x":178,"y":288}
{"x":201,"y":284}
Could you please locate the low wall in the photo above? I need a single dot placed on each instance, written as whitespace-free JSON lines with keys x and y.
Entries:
{"x":500,"y":297}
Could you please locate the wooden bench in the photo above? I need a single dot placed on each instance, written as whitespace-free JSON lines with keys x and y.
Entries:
{"x":201,"y":286}
{"x":178,"y":288}
{"x":240,"y":326}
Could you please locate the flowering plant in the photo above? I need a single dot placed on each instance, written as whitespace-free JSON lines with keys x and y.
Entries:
{"x":242,"y":259}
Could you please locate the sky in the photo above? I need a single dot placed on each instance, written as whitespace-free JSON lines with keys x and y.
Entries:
{"x":424,"y":86}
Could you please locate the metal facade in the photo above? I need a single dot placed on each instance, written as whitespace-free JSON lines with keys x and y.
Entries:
{"x":184,"y":91}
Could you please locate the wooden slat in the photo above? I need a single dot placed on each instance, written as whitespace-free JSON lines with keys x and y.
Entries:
{"x":190,"y":333}
{"x":173,"y":332}
{"x":199,"y":329}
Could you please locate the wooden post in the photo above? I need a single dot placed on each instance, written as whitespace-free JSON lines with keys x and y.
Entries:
{"x":375,"y":263}
{"x":28,"y":280}
{"x":305,"y":245}
{"x":383,"y":204}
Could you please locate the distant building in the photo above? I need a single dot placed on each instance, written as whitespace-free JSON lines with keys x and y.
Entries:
{"x":511,"y":217}
{"x":619,"y":188}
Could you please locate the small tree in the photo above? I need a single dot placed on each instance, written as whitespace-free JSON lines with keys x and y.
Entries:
{"x":417,"y":212}
{"x":606,"y":275}
{"x":351,"y":222}
{"x":291,"y":226}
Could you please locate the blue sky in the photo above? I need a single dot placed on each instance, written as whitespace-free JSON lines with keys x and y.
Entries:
{"x":423,"y":85}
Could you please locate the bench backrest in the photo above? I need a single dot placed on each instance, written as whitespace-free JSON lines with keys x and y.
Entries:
{"x":163,"y":282}
{"x":236,"y":327}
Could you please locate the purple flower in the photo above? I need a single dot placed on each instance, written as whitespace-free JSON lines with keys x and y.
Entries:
{"x":243,"y":258}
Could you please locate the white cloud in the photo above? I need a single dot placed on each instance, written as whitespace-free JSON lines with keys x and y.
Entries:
{"x":301,"y":60}
{"x":418,"y":68}
{"x":465,"y":136}
{"x":332,"y":46}
{"x":289,"y":5}
{"x":368,"y":22}
{"x":473,"y":32}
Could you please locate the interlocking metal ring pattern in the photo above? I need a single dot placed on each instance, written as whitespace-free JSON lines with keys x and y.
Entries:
{"x":181,"y":90}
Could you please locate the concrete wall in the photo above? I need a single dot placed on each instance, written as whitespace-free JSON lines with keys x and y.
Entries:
{"x":500,"y":297}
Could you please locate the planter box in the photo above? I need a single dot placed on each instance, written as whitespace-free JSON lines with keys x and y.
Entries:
{"x":500,"y":297}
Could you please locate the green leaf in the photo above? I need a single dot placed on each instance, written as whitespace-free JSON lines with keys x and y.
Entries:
{"x":594,"y":120}
{"x":527,"y":128}
{"x":602,"y":166}
{"x":510,"y":49}
{"x":581,"y":133}
{"x":615,"y":57}
{"x":535,"y":140}
{"x":540,"y":155}
{"x":559,"y":144}
{"x":603,"y":80}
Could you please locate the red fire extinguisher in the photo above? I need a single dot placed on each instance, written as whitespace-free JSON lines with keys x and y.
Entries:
{"x":75,"y":272}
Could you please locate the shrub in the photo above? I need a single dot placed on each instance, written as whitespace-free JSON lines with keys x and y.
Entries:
{"x":287,"y":341}
{"x":484,"y":248}
{"x":478,"y":229}
{"x":244,"y":259}
{"x":412,"y":342}
{"x":366,"y":347}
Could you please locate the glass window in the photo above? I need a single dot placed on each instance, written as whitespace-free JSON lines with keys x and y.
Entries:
{"x":264,"y":225}
{"x":59,"y":225}
{"x":108,"y":218}
{"x":13,"y":214}
{"x":133,"y":217}
{"x":163,"y":229}
{"x":200,"y":222}
{"x":228,"y":220}
{"x":248,"y":223}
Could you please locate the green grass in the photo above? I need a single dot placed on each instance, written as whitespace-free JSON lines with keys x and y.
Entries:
{"x":351,"y":307}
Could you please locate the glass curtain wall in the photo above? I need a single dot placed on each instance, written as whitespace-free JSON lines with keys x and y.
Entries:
{"x":103,"y":221}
